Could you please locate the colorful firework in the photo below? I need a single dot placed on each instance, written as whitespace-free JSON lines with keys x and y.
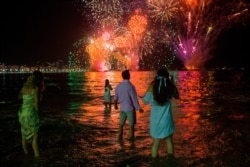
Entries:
{"x":157,"y":30}
{"x":196,"y":27}
{"x":103,"y":12}
{"x":78,"y":58}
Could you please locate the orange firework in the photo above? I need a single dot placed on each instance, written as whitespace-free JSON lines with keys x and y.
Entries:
{"x":137,"y":25}
{"x":97,"y":51}
{"x":120,"y":42}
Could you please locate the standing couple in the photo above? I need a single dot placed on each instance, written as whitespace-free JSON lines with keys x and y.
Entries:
{"x":158,"y":95}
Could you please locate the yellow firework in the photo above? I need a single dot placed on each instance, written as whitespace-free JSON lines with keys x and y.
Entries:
{"x":163,"y":10}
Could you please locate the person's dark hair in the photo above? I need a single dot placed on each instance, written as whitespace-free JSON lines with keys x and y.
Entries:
{"x":106,"y":82}
{"x":38,"y":78}
{"x":163,"y":88}
{"x":125,"y":74}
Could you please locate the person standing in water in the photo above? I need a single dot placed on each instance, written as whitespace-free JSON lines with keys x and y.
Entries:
{"x":107,"y":95}
{"x":126,"y":95}
{"x":28,"y":113}
{"x":159,"y":95}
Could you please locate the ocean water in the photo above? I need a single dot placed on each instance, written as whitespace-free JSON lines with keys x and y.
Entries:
{"x":211,"y":119}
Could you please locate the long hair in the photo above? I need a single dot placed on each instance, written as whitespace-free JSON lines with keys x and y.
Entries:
{"x":163,"y":87}
{"x":30,"y":83}
{"x":38,"y":76}
{"x":106,"y":83}
{"x":39,"y":81}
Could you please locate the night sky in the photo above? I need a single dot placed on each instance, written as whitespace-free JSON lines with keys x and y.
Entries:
{"x":38,"y":31}
{"x":232,"y":49}
{"x":44,"y":31}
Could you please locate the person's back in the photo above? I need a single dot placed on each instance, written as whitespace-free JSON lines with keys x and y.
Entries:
{"x":126,"y":95}
{"x":28,"y":93}
{"x":159,"y":95}
{"x":28,"y":99}
{"x":107,"y":94}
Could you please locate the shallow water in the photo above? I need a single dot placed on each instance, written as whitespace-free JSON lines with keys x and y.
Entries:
{"x":211,"y":119}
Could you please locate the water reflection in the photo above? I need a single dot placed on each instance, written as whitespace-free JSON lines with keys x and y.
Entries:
{"x":211,"y":120}
{"x":195,"y":129}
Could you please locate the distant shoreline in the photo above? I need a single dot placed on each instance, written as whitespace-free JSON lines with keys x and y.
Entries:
{"x":80,"y":71}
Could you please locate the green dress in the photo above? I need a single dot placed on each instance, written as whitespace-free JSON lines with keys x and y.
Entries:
{"x":28,"y":116}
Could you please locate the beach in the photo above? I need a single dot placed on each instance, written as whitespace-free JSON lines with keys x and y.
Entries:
{"x":211,"y":121}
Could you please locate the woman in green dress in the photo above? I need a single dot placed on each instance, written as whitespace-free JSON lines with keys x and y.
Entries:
{"x":28,"y":114}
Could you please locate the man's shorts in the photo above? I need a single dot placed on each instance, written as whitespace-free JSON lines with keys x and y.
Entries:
{"x":130,"y":115}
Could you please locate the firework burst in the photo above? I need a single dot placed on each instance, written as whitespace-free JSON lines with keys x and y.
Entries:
{"x":198,"y":25}
{"x":157,"y":30}
{"x":163,"y":10}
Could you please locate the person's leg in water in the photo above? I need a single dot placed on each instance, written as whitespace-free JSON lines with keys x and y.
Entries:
{"x":110,"y":104}
{"x":123,"y":118}
{"x":131,"y":132}
{"x":105,"y":103}
{"x":155,"y":147}
{"x":120,"y":132}
{"x":25,"y":147}
{"x":170,"y":146}
{"x":131,"y":119}
{"x":35,"y":145}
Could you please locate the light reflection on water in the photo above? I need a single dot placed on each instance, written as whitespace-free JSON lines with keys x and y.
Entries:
{"x":210,"y":118}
